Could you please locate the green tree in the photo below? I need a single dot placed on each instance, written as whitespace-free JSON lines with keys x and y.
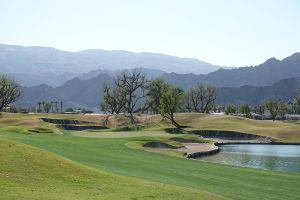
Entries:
{"x":296,"y":104}
{"x":245,"y":109}
{"x":230,"y":109}
{"x":155,"y":91}
{"x":200,"y":98}
{"x":276,"y":108}
{"x":283,"y":109}
{"x":9,"y":91}
{"x":47,"y":106}
{"x":170,"y":103}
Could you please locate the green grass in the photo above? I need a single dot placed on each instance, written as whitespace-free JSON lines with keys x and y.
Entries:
{"x":31,"y":173}
{"x":113,"y":155}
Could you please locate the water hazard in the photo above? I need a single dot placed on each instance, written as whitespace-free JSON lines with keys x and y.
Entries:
{"x":273,"y":157}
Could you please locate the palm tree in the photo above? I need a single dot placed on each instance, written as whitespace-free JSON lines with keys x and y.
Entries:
{"x":39,"y":106}
{"x":61,"y":105}
{"x":56,"y":108}
{"x":43,"y":103}
{"x":52,"y":105}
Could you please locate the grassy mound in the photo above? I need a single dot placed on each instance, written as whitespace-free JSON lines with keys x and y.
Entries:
{"x":31,"y":173}
{"x":189,"y":138}
{"x":162,"y":145}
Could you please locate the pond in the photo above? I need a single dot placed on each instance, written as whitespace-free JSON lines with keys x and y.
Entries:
{"x":273,"y":157}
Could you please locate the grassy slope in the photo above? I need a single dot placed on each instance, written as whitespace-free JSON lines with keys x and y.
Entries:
{"x":31,"y":173}
{"x":111,"y":154}
{"x":285,"y":131}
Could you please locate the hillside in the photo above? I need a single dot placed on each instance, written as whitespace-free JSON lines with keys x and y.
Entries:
{"x":285,"y":89}
{"x":74,"y":93}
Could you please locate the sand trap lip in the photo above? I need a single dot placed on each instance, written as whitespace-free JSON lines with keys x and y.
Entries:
{"x":192,"y":150}
{"x":197,"y":147}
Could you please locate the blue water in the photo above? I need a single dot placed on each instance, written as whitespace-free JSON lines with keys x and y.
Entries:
{"x":273,"y":157}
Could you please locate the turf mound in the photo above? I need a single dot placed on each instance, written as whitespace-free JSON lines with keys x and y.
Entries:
{"x":80,"y":127}
{"x":40,"y":130}
{"x":65,"y":121}
{"x":230,"y":135}
{"x":185,"y":140}
{"x":159,"y":145}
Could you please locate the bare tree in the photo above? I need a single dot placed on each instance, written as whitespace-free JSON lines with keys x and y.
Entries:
{"x":9,"y":91}
{"x":132,"y":84}
{"x":200,"y":98}
{"x":114,"y":100}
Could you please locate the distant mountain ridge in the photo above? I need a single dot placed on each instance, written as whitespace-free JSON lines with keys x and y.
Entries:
{"x":264,"y":74}
{"x":286,"y":90}
{"x":26,"y":62}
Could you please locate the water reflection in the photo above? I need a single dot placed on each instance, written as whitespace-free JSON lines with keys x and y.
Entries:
{"x":274,"y":157}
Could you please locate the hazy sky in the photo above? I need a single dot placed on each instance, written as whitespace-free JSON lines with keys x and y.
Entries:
{"x":224,"y":32}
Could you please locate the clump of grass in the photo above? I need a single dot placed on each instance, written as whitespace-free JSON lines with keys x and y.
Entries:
{"x":40,"y":130}
{"x":137,"y":127}
{"x":175,"y":130}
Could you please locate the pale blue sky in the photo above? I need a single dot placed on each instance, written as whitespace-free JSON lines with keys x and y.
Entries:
{"x":223,"y":32}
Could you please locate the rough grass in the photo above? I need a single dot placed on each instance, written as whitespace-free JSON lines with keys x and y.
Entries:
{"x":30,"y":173}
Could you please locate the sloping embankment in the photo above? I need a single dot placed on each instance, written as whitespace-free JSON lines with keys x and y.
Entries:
{"x":159,"y":145}
{"x":80,"y":127}
{"x":74,"y":125}
{"x":228,"y":135}
{"x":64,"y":121}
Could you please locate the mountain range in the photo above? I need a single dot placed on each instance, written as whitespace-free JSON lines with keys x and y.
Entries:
{"x":265,"y":74}
{"x":35,"y":65}
{"x":77,"y":78}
